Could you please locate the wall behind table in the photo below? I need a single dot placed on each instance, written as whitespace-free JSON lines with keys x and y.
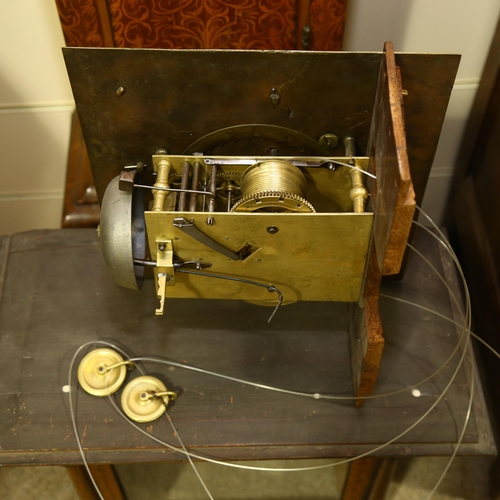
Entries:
{"x":36,"y":101}
{"x":35,"y":112}
{"x":447,"y":26}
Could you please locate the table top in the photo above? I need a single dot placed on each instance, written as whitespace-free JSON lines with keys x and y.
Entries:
{"x":56,"y":295}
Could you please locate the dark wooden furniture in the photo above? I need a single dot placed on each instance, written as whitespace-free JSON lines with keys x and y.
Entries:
{"x":81,"y":206}
{"x":195,"y":24}
{"x":56,"y":295}
{"x":474,"y":214}
{"x":204,"y":24}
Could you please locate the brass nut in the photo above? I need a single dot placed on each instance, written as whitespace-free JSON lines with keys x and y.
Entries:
{"x":329,"y":141}
{"x":274,"y":96}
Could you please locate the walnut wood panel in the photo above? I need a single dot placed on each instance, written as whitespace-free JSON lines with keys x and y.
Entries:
{"x":327,"y":20}
{"x":323,"y":21}
{"x":197,"y":24}
{"x":85,"y":23}
{"x":272,"y":24}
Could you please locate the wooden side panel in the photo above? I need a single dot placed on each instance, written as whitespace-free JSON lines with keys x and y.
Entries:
{"x":395,"y":204}
{"x":393,"y":200}
{"x":366,"y":339}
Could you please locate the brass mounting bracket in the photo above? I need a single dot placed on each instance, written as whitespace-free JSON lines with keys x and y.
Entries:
{"x":165,"y":275}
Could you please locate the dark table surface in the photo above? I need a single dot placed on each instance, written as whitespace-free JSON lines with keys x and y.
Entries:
{"x":56,"y":295}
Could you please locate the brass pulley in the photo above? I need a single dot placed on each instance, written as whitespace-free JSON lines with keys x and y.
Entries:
{"x":145,"y":399}
{"x":102,"y":372}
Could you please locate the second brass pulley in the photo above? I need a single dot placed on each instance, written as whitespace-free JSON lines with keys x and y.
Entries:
{"x":145,"y":399}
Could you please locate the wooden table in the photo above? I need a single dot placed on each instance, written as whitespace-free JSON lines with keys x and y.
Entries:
{"x":55,"y":295}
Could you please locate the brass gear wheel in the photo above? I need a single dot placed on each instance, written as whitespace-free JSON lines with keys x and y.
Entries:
{"x":229,"y":175}
{"x":175,"y":178}
{"x":273,"y":201}
{"x":226,"y":182}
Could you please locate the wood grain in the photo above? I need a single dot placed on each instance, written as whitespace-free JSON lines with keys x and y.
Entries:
{"x":81,"y":207}
{"x":395,"y":204}
{"x":197,"y":24}
{"x":84,"y":23}
{"x":105,"y":478}
{"x":303,"y":8}
{"x":73,"y":300}
{"x":366,"y":340}
{"x":327,"y":20}
{"x":361,"y":476}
